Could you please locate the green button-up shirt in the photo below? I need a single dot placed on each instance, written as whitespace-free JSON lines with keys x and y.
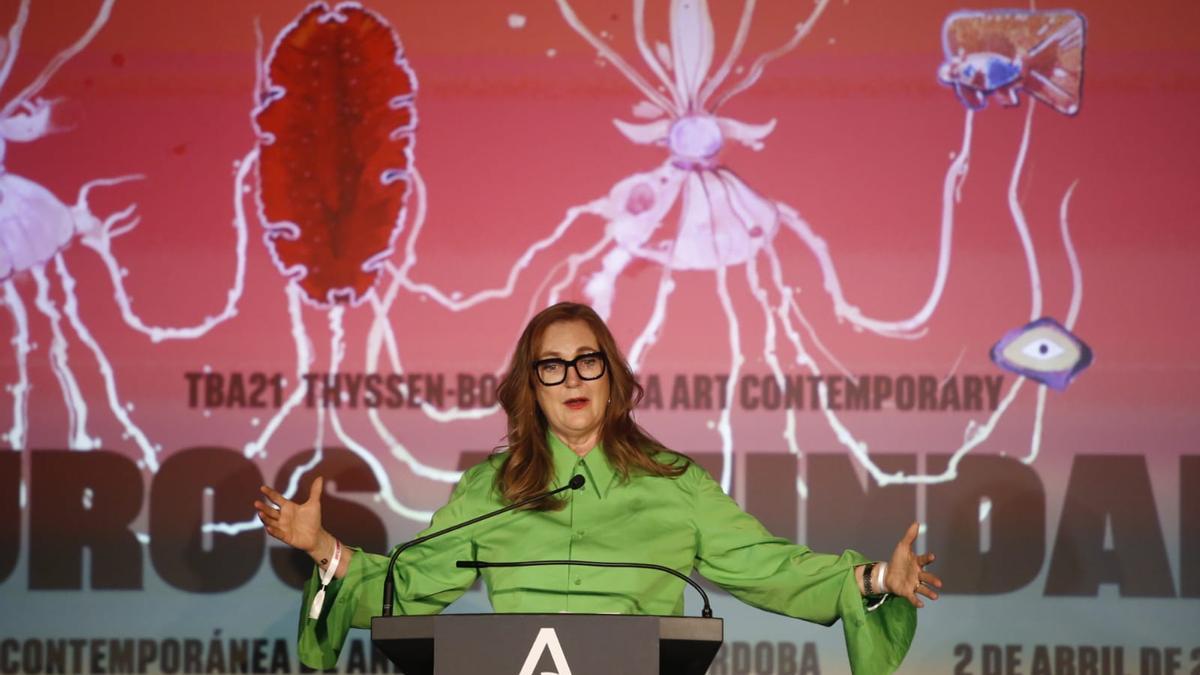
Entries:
{"x":684,"y":523}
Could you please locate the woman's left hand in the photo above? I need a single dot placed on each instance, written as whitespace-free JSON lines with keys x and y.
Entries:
{"x":906,"y":575}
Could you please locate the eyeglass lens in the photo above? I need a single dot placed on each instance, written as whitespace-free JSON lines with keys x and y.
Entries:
{"x":554,"y":371}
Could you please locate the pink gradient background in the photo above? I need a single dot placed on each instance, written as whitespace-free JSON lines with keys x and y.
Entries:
{"x":509,"y":138}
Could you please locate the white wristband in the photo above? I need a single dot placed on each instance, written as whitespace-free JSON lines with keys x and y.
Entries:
{"x":880,"y":586}
{"x":326,"y":577}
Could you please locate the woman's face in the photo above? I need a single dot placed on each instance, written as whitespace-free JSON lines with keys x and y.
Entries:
{"x":574,"y":409}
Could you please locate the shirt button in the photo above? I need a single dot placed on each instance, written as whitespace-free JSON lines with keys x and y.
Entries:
{"x":578,"y":581}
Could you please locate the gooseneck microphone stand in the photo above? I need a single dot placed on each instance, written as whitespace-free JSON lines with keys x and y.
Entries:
{"x":389,"y":583}
{"x":479,"y":564}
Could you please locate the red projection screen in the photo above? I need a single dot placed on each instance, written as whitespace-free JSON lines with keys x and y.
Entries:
{"x":874,"y":262}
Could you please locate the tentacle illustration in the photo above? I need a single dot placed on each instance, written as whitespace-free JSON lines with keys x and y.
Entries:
{"x":735,"y":50}
{"x":55,"y":63}
{"x":381,"y":333}
{"x":1018,"y":216}
{"x":1072,"y":259}
{"x":573,"y":262}
{"x":16,"y":436}
{"x":649,"y":335}
{"x":756,"y":69}
{"x":801,"y":358}
{"x":400,"y":275}
{"x":304,"y":362}
{"x":639,"y":33}
{"x":771,"y":349}
{"x":100,"y":239}
{"x":77,"y":408}
{"x":337,"y":349}
{"x":1072,"y":315}
{"x":14,"y":41}
{"x":910,"y":327}
{"x":119,"y":410}
{"x":735,"y":368}
{"x":975,"y":435}
{"x":601,"y":287}
{"x":614,"y":58}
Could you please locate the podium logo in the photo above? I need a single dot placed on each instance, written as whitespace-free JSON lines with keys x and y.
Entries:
{"x":547,"y":640}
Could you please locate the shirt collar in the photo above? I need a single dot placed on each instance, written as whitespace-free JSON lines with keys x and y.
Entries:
{"x":594,"y":466}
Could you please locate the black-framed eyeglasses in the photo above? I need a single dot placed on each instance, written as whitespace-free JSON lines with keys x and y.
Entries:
{"x":551,"y":372}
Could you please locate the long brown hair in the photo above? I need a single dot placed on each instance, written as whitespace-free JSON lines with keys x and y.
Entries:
{"x":528,"y":468}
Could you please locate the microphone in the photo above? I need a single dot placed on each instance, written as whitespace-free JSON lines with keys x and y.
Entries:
{"x":480,"y":564}
{"x":389,"y":582}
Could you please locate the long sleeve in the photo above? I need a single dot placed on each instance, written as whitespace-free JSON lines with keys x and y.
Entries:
{"x":426,"y":580}
{"x":736,"y":552}
{"x":682,"y":522}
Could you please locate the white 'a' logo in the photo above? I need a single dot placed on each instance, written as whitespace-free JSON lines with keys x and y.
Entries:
{"x":546,"y":639}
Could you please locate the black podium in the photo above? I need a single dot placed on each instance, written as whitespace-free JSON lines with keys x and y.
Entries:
{"x":531,"y":644}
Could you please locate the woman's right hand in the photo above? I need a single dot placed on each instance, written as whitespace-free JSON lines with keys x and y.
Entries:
{"x":297,"y":525}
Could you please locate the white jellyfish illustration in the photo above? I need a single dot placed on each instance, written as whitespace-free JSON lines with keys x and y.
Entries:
{"x":694,"y":213}
{"x":36,"y":226}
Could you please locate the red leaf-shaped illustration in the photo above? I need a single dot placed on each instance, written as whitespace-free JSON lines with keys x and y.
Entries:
{"x":335,"y":140}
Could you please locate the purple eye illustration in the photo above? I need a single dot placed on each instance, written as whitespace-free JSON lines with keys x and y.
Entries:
{"x":1043,"y":351}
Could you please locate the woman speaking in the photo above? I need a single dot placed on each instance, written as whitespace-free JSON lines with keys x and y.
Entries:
{"x":569,"y":397}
